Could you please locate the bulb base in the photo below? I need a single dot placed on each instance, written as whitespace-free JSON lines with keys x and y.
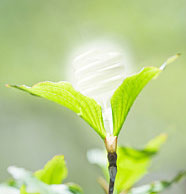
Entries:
{"x":111,"y":143}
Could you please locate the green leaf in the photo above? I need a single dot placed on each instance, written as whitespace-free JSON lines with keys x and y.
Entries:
{"x":74,"y":188}
{"x":32,"y":185}
{"x":54,"y":172}
{"x":155,"y":144}
{"x":125,"y":95}
{"x":157,"y":186}
{"x":133,"y":163}
{"x":23,"y":190}
{"x":63,"y":93}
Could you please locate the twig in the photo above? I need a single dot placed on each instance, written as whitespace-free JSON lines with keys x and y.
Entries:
{"x":103,"y":183}
{"x":112,"y":158}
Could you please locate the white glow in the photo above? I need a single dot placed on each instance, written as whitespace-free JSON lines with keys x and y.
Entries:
{"x":98,"y":70}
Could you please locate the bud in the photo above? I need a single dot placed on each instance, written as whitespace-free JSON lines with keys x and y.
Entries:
{"x":111,"y":143}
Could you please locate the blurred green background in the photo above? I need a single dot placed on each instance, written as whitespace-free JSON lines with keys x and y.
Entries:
{"x":36,"y":39}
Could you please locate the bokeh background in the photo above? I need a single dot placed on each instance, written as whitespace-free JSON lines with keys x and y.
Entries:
{"x":36,"y":39}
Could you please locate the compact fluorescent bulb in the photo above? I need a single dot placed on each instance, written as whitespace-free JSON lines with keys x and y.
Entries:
{"x":97,"y":74}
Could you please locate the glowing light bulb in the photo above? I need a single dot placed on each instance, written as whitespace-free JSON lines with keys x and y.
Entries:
{"x":97,"y":74}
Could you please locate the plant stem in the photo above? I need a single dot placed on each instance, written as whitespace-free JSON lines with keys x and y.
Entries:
{"x":111,"y":147}
{"x":112,"y":158}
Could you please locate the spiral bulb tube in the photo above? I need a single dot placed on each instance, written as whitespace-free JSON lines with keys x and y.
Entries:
{"x":97,"y":74}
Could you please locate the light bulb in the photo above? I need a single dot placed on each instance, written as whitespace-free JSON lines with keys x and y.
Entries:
{"x":97,"y":74}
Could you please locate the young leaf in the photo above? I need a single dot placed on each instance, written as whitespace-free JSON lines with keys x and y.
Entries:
{"x":32,"y":185}
{"x":125,"y":95}
{"x":23,"y":190}
{"x":54,"y":172}
{"x":155,"y":144}
{"x":63,"y":93}
{"x":133,"y":164}
{"x":157,"y":186}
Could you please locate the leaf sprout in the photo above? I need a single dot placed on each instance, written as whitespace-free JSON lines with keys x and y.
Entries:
{"x":103,"y":96}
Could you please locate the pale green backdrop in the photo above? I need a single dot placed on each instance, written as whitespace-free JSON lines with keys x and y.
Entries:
{"x":36,"y":39}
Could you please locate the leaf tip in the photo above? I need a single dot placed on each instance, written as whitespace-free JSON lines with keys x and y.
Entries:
{"x":12,"y":86}
{"x":163,"y":136}
{"x":8,"y":85}
{"x":170,"y":60}
{"x":157,"y":142}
